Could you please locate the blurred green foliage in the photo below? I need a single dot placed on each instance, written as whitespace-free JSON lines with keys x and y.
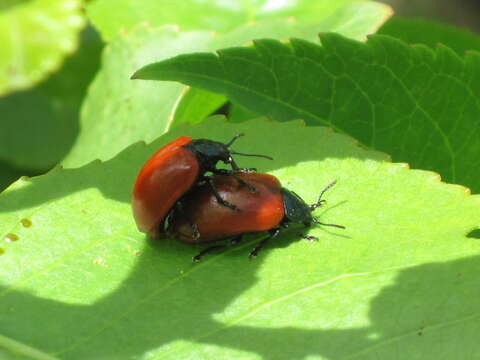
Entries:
{"x":79,"y":281}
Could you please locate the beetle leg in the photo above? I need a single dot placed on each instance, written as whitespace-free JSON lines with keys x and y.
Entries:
{"x":244,"y":183}
{"x":219,"y":198}
{"x":215,"y":248}
{"x":210,"y":249}
{"x":193,"y":224}
{"x":239,"y":179}
{"x":233,"y":164}
{"x":236,"y":240}
{"x":308,"y":237}
{"x":248,"y":170}
{"x":273,"y":233}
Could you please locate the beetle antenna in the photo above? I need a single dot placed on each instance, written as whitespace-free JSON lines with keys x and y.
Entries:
{"x":320,"y":202}
{"x":257,"y":155}
{"x":234,"y":139}
{"x":334,"y":225}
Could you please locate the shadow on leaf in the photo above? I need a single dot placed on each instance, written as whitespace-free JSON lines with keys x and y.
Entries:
{"x":419,"y":313}
{"x":288,"y":144}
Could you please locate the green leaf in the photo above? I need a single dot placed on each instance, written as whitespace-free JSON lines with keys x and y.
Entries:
{"x":118,"y":108}
{"x":14,"y":350}
{"x":81,"y":282}
{"x":38,"y":126}
{"x":196,"y":105}
{"x":416,"y":104}
{"x":239,"y":113}
{"x":36,"y":36}
{"x":354,"y":20}
{"x":7,"y":175}
{"x":224,"y":16}
{"x":118,"y":111}
{"x":415,"y":31}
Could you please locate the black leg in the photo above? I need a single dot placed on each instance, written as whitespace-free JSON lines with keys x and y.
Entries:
{"x":236,"y":240}
{"x":208,"y":250}
{"x":244,"y":183}
{"x":218,"y":197}
{"x":273,"y":233}
{"x":233,"y":164}
{"x":193,"y":225}
{"x":248,"y":170}
{"x":235,"y":175}
{"x":308,"y":237}
{"x":216,"y":248}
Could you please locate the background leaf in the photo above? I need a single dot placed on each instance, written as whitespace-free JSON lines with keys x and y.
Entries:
{"x":117,"y":111}
{"x":388,"y":282}
{"x":239,"y":113}
{"x":222,"y":16}
{"x":196,"y":105}
{"x":118,"y":108}
{"x":38,"y":126}
{"x":52,"y":28}
{"x":416,"y":104}
{"x":416,"y":31}
{"x":8,"y":175}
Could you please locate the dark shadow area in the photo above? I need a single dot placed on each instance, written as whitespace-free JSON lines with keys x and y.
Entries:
{"x":9,"y":174}
{"x":115,"y":177}
{"x":39,"y":125}
{"x":474,"y":234}
{"x":223,"y":110}
{"x":428,"y":310}
{"x":431,"y":311}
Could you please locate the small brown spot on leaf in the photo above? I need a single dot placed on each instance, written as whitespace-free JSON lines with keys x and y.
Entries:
{"x":10,"y":237}
{"x":26,"y":223}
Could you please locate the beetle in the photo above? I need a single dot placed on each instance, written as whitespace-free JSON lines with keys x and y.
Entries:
{"x":173,"y":170}
{"x":272,"y":208}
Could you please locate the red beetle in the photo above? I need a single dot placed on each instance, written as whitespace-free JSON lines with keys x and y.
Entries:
{"x":172,"y":171}
{"x":270,"y":209}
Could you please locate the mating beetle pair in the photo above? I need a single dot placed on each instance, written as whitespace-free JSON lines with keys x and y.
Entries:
{"x":173,"y":195}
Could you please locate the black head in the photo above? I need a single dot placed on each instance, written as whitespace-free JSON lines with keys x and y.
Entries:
{"x":209,"y":152}
{"x":297,"y":210}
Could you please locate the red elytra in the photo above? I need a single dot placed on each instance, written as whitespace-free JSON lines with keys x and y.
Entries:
{"x":271,"y":208}
{"x":164,"y":178}
{"x":259,"y":211}
{"x":174,"y":170}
